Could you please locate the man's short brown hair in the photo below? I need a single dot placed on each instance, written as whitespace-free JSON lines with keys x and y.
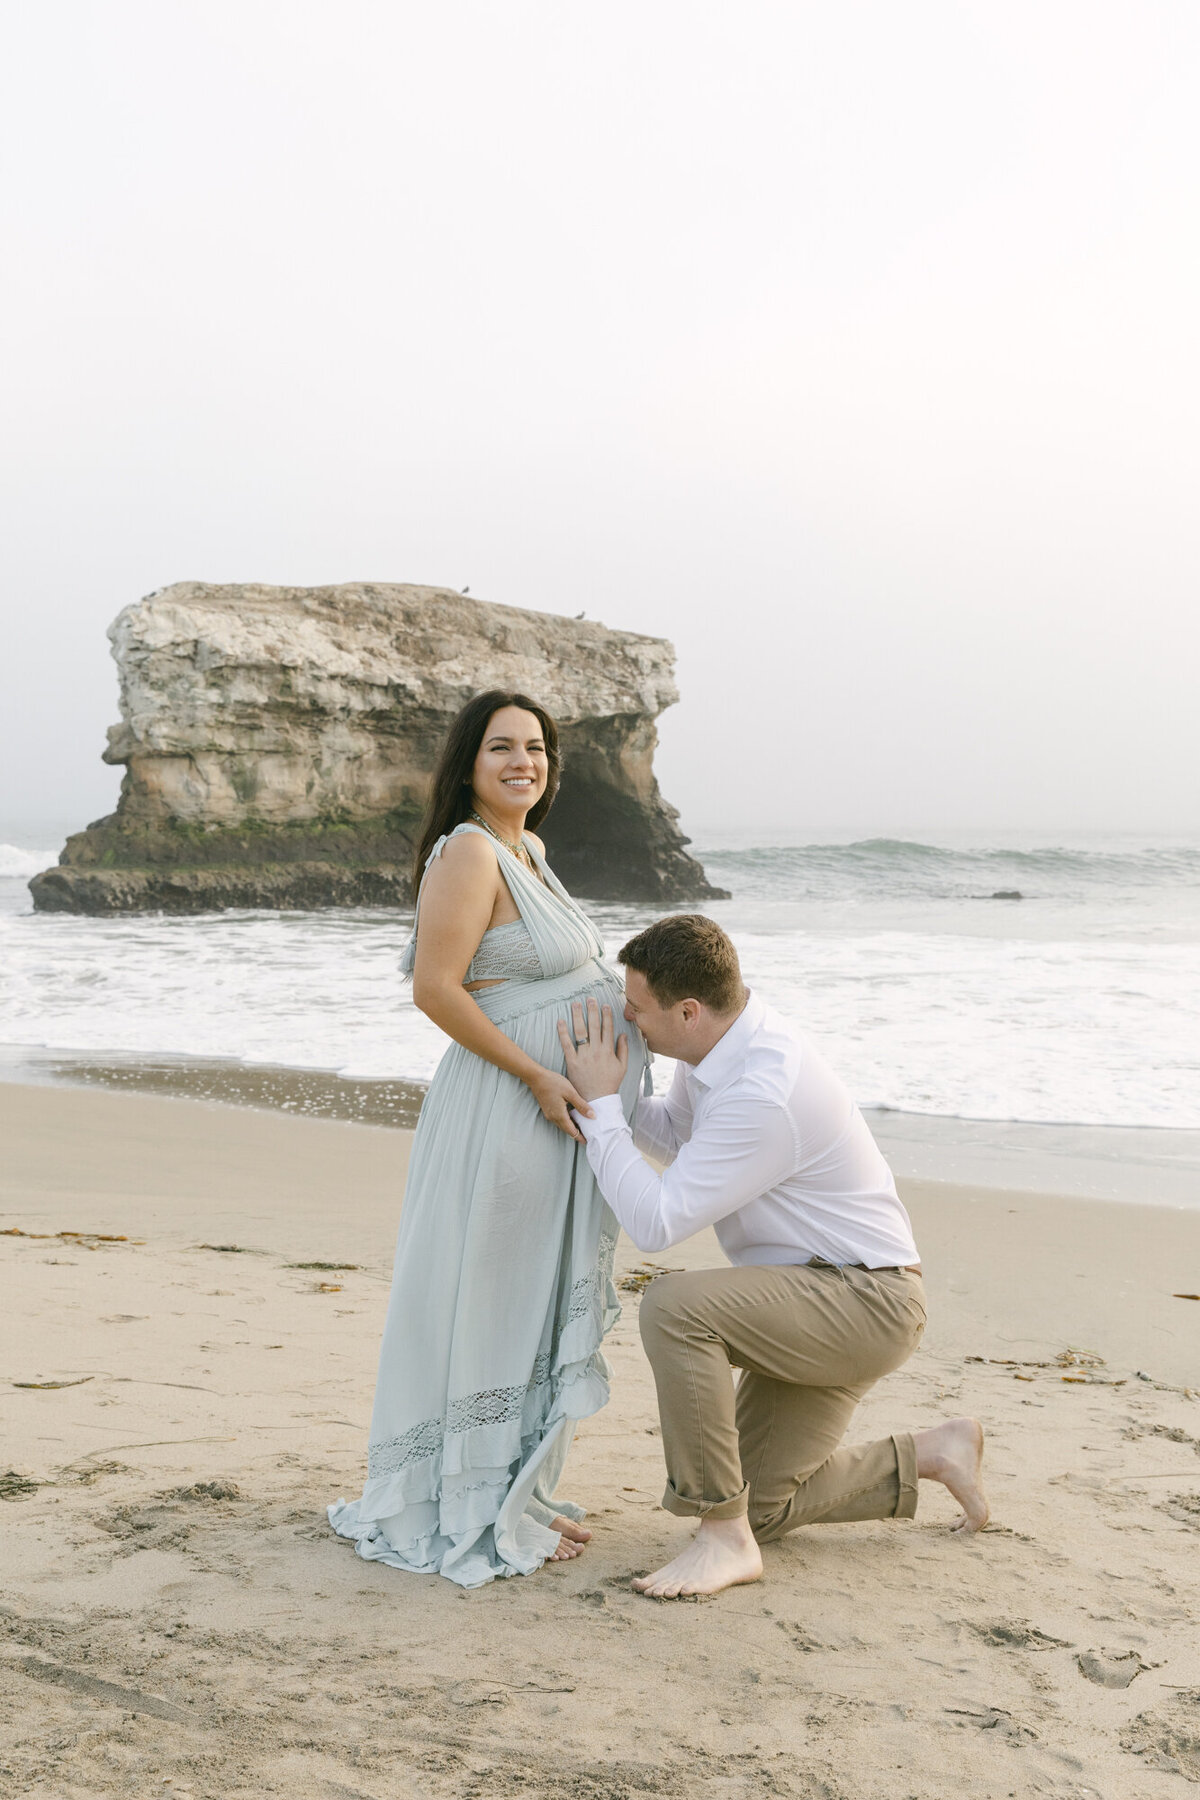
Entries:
{"x":687,"y":957}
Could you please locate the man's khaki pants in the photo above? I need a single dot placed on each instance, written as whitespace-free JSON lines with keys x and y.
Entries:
{"x":810,"y":1340}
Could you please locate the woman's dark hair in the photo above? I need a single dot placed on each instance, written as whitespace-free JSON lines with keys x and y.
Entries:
{"x":450,"y":794}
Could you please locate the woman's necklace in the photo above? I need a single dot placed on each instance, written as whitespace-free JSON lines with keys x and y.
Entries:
{"x":518,"y":849}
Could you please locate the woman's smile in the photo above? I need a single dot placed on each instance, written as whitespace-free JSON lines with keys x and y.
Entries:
{"x":511,"y":767}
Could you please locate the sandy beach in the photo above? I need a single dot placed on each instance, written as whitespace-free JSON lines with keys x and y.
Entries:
{"x":194,"y":1294}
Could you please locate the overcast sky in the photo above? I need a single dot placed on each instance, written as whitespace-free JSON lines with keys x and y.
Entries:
{"x":852,"y":345}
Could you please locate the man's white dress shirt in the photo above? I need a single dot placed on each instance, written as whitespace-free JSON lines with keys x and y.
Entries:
{"x":765,"y":1144}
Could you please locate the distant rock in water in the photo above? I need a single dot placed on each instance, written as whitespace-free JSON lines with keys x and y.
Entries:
{"x":279,"y":743}
{"x":1008,"y":894}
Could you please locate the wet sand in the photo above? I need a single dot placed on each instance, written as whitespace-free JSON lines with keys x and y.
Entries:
{"x":178,"y":1618}
{"x":270,"y":1087}
{"x":1094,"y":1162}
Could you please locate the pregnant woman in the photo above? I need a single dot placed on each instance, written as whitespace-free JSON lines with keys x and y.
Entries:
{"x":502,"y":1289}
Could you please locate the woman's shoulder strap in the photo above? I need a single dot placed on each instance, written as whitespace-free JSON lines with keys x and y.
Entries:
{"x":445,"y":838}
{"x":466,"y":829}
{"x":440,"y":845}
{"x":408,"y":957}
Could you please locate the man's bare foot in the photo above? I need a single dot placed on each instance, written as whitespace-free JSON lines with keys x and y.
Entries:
{"x":571,"y":1539}
{"x":952,"y":1453}
{"x":722,"y":1554}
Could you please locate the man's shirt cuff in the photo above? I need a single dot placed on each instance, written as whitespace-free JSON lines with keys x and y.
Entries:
{"x":610,"y":1116}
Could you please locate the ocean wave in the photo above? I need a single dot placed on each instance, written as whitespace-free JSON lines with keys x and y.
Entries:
{"x":874,"y":867}
{"x":18,"y":865}
{"x":1078,"y":1006}
{"x":965,"y":1025}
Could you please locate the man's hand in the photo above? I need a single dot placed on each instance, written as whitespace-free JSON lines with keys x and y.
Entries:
{"x":595,"y":1065}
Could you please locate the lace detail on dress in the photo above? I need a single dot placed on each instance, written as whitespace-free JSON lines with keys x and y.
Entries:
{"x":505,"y":953}
{"x":412,"y":1446}
{"x":494,"y":1406}
{"x":589,"y":1291}
{"x":488,"y":1406}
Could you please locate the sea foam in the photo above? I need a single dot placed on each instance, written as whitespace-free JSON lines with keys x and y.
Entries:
{"x":17,"y":864}
{"x":1076,"y":1004}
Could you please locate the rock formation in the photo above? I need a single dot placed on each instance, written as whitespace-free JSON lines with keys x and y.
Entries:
{"x":278,"y":745}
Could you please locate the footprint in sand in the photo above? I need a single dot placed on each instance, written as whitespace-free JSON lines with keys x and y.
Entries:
{"x":800,"y":1639}
{"x":1018,"y":1635}
{"x":1171,"y":1744}
{"x":1184,"y":1507}
{"x":993,"y":1718}
{"x":1112,"y":1669}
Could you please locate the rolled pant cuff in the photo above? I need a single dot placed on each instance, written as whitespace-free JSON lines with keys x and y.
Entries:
{"x":714,"y":1509}
{"x":906,"y":1470}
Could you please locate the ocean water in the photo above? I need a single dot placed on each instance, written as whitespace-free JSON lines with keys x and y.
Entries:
{"x":1078,"y":1002}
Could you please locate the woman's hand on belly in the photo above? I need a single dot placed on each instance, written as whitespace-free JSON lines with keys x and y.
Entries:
{"x":555,"y":1095}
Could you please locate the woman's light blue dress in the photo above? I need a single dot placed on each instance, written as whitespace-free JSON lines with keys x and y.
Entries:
{"x":502,"y":1289}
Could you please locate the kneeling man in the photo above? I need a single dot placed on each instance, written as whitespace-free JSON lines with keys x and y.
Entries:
{"x":824,"y":1297}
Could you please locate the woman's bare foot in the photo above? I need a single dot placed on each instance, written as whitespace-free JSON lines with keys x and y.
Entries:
{"x":952,"y":1453}
{"x":722,"y":1554}
{"x":571,"y":1538}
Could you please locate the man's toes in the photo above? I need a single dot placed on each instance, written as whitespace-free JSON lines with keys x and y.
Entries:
{"x":651,"y":1586}
{"x":970,"y":1520}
